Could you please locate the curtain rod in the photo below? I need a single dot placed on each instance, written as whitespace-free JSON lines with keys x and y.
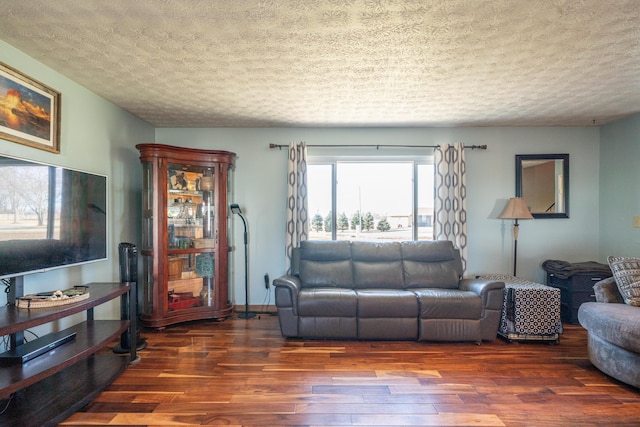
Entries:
{"x":376,"y":146}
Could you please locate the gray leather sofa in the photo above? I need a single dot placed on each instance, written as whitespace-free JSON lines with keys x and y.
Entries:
{"x":385,"y":291}
{"x":613,"y":333}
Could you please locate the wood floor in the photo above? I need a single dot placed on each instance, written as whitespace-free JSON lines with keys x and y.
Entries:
{"x":243,"y":373}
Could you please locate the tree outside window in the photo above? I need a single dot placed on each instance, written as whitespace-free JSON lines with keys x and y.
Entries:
{"x":376,"y":200}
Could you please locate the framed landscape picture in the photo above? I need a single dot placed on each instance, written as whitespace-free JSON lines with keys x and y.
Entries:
{"x":29,"y":111}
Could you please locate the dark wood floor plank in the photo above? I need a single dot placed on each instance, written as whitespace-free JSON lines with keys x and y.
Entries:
{"x":243,"y":373}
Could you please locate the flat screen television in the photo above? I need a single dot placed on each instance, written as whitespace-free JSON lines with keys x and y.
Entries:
{"x":50,"y":217}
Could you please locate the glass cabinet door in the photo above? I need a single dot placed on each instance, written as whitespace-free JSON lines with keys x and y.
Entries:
{"x":147,"y":236}
{"x":191,"y":236}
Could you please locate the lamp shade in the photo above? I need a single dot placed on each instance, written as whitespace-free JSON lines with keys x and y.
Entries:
{"x":235,"y":209}
{"x":516,"y":209}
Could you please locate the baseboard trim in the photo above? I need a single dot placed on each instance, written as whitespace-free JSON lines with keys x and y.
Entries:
{"x":261,"y":309}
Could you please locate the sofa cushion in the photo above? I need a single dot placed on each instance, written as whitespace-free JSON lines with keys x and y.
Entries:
{"x":326,"y":264}
{"x":429,"y":250}
{"x":327,"y":302}
{"x":618,"y":324}
{"x":606,"y":290}
{"x":377,"y":265}
{"x":325,"y":250}
{"x":328,"y":327}
{"x":388,"y":328}
{"x":387,"y":303}
{"x":431,"y":264}
{"x":626,"y":271}
{"x":449,"y":304}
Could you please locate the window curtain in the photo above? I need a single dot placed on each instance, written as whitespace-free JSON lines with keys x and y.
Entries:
{"x":450,"y":206}
{"x":297,"y":202}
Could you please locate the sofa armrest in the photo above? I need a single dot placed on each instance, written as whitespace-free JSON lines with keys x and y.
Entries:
{"x":287,"y":289}
{"x":489,"y":290}
{"x":606,"y":290}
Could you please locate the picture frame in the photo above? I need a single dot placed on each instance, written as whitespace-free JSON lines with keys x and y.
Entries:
{"x":543,"y":181}
{"x":29,"y":111}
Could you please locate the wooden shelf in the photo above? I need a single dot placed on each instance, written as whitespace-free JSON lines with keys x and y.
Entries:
{"x":90,"y":338}
{"x":14,"y":319}
{"x":50,"y":387}
{"x":57,"y":397}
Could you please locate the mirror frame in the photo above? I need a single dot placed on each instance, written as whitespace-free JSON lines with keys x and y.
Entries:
{"x":565,"y":172}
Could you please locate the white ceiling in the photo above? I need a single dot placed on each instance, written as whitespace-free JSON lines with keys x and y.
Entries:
{"x":242,"y":63}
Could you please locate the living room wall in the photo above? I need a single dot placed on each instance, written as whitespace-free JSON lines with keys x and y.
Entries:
{"x":259,"y":186}
{"x":620,"y":187}
{"x":98,"y":137}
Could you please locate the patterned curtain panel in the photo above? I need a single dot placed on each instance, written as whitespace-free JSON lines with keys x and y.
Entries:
{"x":450,"y":209}
{"x":297,"y":203}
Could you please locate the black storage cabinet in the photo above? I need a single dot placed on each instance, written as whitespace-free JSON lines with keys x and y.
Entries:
{"x":573,"y":292}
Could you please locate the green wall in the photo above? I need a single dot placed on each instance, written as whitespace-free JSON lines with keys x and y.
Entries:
{"x":99,"y":137}
{"x":620,"y":187}
{"x":259,"y":186}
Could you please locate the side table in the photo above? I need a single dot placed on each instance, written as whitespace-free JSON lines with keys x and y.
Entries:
{"x":574,"y":291}
{"x":530,"y":310}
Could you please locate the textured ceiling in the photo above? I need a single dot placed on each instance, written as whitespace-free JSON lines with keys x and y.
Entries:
{"x":208,"y":63}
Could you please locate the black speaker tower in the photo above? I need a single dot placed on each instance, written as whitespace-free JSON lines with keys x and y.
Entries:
{"x":129,"y":273}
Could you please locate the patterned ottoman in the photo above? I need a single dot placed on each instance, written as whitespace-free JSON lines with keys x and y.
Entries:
{"x":530,"y":310}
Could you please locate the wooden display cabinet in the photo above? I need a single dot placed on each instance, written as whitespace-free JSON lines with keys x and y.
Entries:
{"x":184,"y":236}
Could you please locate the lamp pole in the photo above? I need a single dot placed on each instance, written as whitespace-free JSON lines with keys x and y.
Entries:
{"x":247,"y":314}
{"x":516,"y":230}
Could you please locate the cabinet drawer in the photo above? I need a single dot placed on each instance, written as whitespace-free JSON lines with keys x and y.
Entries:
{"x":557,"y":282}
{"x":577,"y":282}
{"x":585,"y":282}
{"x":578,"y":298}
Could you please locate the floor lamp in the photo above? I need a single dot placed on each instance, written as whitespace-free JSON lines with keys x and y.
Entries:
{"x":235,"y":209}
{"x":516,"y":209}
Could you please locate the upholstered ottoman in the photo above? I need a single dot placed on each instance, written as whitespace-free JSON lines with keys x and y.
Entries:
{"x":530,"y":310}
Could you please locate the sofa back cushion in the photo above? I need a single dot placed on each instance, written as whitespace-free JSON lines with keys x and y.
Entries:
{"x":431,"y":264}
{"x":325,"y":264}
{"x":377,"y":265}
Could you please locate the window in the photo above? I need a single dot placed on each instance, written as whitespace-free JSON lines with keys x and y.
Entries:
{"x":370,"y":200}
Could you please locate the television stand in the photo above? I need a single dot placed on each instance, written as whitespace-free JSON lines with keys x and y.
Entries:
{"x":54,"y":385}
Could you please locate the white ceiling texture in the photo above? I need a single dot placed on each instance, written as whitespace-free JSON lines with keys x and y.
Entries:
{"x":263,"y":63}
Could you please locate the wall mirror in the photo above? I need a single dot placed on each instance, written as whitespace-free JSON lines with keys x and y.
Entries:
{"x":543,"y":181}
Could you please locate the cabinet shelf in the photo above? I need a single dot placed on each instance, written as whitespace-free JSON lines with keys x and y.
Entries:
{"x":190,"y":251}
